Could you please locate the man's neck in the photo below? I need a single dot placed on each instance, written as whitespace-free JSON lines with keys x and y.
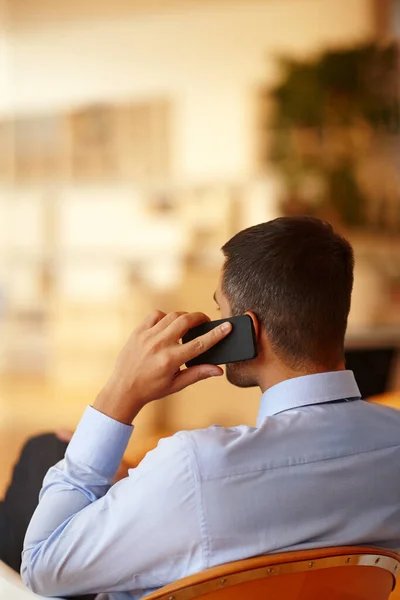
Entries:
{"x":278,"y":372}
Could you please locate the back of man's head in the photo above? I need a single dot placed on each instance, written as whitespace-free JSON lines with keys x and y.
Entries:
{"x":296,"y":275}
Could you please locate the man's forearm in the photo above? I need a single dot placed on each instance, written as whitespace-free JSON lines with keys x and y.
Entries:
{"x":85,"y":475}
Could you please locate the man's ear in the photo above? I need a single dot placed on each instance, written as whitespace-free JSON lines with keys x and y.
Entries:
{"x":256,"y":324}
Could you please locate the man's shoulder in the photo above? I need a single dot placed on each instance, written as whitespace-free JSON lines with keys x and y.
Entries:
{"x":213,"y":434}
{"x":216,"y":449}
{"x":216,"y":435}
{"x":205,"y":451}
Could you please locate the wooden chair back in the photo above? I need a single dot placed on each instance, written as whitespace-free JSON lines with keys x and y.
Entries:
{"x":347,"y":573}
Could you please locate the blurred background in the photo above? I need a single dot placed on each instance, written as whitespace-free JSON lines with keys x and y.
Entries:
{"x":136,"y":137}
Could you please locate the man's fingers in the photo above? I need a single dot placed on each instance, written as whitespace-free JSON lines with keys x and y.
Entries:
{"x":184,"y":322}
{"x":192,"y":375}
{"x":204,"y":342}
{"x":167,"y":320}
{"x":151,"y":320}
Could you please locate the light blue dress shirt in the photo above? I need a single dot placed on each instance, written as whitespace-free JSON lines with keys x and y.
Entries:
{"x":313,"y":473}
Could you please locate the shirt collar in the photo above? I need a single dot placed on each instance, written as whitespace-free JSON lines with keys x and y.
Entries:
{"x":309,"y":389}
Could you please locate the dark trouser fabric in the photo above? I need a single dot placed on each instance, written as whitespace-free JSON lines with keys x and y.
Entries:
{"x":37,"y":456}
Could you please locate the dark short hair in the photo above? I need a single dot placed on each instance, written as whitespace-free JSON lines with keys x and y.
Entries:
{"x":296,"y":275}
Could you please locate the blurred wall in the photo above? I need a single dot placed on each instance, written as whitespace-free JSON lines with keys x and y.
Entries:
{"x":207,"y":57}
{"x":5,"y":58}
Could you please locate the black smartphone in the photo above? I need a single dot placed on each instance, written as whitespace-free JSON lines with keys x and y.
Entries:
{"x":239,"y":345}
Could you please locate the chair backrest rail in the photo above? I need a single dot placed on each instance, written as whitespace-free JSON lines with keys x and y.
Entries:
{"x":381,"y":561}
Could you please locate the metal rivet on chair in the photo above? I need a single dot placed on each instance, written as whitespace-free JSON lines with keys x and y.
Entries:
{"x":377,"y":560}
{"x":270,"y":571}
{"x":171,"y":597}
{"x":310,"y":565}
{"x":223,"y":581}
{"x":348,"y":559}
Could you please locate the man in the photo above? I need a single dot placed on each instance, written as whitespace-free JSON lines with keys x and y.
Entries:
{"x":321,"y":468}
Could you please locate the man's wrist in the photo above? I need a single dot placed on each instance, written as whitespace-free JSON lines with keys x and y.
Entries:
{"x":113,"y":403}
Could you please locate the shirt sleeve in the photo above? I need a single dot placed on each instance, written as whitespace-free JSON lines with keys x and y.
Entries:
{"x":140,"y":534}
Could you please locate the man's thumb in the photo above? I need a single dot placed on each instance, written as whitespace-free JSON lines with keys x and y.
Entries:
{"x":194,"y":374}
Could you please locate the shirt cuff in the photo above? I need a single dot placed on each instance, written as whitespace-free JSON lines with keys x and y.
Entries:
{"x":99,"y":442}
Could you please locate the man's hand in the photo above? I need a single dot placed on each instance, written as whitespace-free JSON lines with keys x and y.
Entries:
{"x":149,"y":367}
